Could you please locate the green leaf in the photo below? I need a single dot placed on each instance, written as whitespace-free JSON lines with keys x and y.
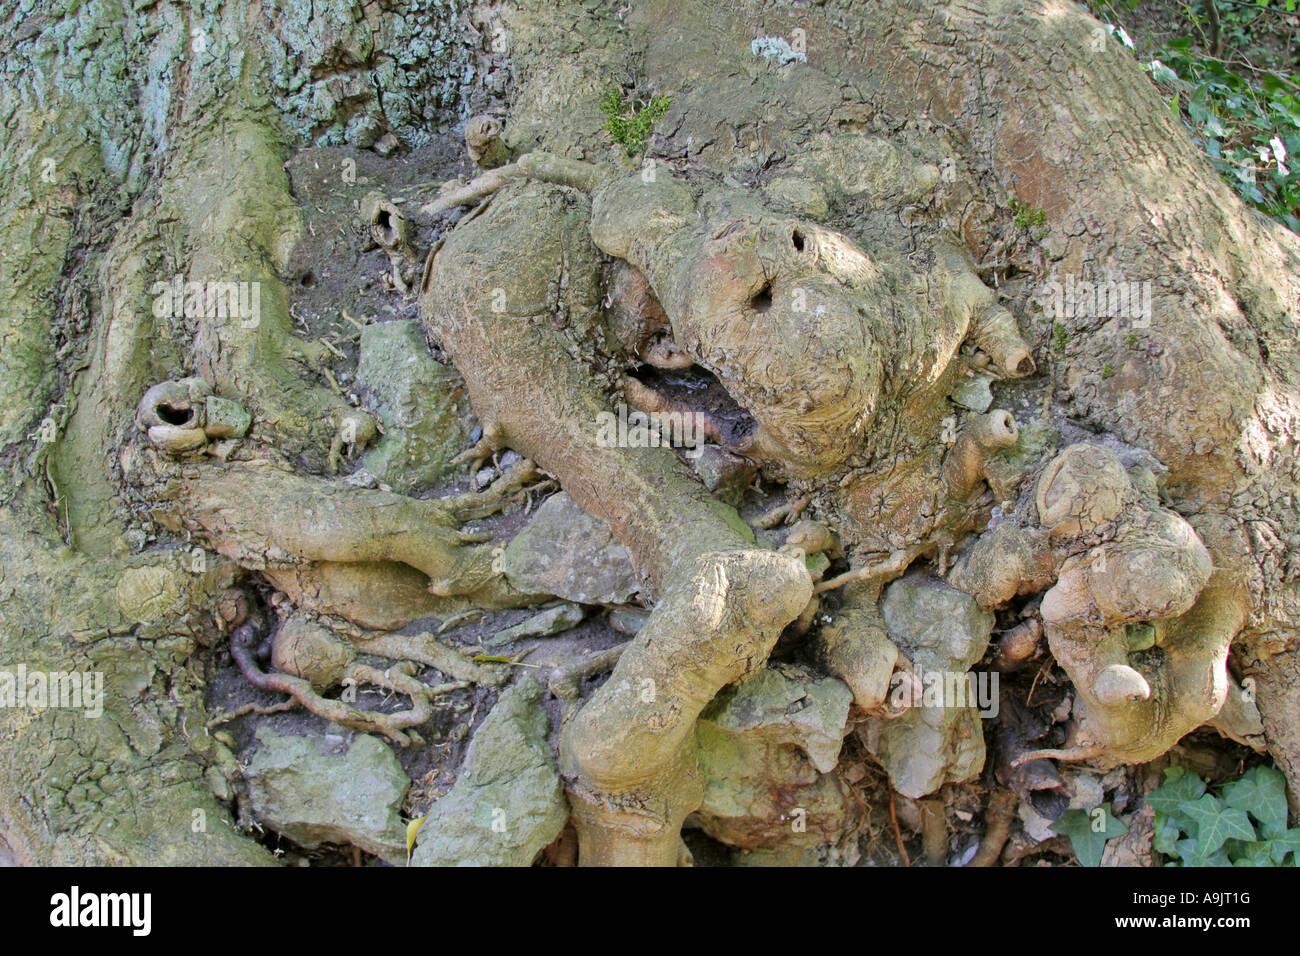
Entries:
{"x":1179,"y":787}
{"x":1167,"y":832}
{"x":1253,"y":853}
{"x":1216,"y":823}
{"x":1088,"y":832}
{"x":1284,"y":843}
{"x":1262,"y":794}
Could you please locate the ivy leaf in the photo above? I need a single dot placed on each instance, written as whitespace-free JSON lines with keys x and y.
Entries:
{"x":1216,"y":823}
{"x":1166,"y":836}
{"x":1254,"y":853}
{"x":1161,"y":73}
{"x":1190,"y":852}
{"x":1179,"y":787}
{"x":1089,"y":831}
{"x":1262,"y":794}
{"x":1284,"y":843}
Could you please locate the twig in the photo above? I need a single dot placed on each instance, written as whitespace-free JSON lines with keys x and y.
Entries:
{"x":246,"y":709}
{"x":898,"y":834}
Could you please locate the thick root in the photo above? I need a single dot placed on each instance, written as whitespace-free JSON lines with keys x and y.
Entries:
{"x":630,"y":750}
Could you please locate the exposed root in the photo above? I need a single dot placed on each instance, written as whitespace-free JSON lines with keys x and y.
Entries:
{"x":395,"y":727}
{"x":1067,"y":754}
{"x":998,"y":818}
{"x":539,"y":166}
{"x":566,"y":681}
{"x":964,"y":469}
{"x":263,"y":710}
{"x":878,"y":573}
{"x":786,"y":513}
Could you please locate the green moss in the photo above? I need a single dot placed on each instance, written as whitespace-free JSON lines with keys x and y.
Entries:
{"x":629,"y":123}
{"x":1108,"y":371}
{"x":1027,"y":216}
{"x":1060,"y":337}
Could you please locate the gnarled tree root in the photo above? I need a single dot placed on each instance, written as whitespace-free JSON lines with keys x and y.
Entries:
{"x":628,"y":755}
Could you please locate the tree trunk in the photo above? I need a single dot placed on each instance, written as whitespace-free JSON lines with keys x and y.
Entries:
{"x":149,"y":142}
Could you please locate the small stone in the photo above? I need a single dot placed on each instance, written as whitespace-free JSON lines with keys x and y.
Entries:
{"x":313,"y":791}
{"x":552,"y":621}
{"x":361,"y":478}
{"x":767,"y":747}
{"x":226,"y":418}
{"x":627,"y":620}
{"x":787,"y":703}
{"x":565,"y":552}
{"x":718,"y":467}
{"x":942,"y":631}
{"x":485,"y":478}
{"x":974,"y":392}
{"x":413,"y":397}
{"x":508,"y":802}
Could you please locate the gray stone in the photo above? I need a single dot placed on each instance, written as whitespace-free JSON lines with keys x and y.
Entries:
{"x":627,"y":620}
{"x":789,"y":704}
{"x":226,"y":418}
{"x":718,"y":467}
{"x":935,"y":625}
{"x":508,"y":802}
{"x":314,"y":790}
{"x":974,"y":392}
{"x":412,"y":395}
{"x":942,"y":631}
{"x":767,"y":747}
{"x":553,"y":620}
{"x":565,"y":552}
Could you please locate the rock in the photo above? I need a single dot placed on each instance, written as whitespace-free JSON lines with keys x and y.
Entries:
{"x":766,"y":749}
{"x":412,"y":395}
{"x":226,"y":418}
{"x":974,"y":392}
{"x":789,"y":704}
{"x":627,"y":620}
{"x":942,"y":631}
{"x":1081,"y":790}
{"x":508,"y":802}
{"x":554,"y":620}
{"x":718,"y":467}
{"x":565,"y":552}
{"x":313,"y":791}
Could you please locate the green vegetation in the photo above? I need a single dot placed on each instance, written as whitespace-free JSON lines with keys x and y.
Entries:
{"x":1060,"y":337}
{"x":1244,"y":115}
{"x":1027,"y":216}
{"x":629,"y":122}
{"x":1245,"y":824}
{"x":1088,"y":832}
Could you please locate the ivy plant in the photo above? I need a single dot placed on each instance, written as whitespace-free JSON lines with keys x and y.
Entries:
{"x":1244,"y":824}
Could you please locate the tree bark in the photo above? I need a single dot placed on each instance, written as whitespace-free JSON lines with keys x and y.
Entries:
{"x":148,"y":143}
